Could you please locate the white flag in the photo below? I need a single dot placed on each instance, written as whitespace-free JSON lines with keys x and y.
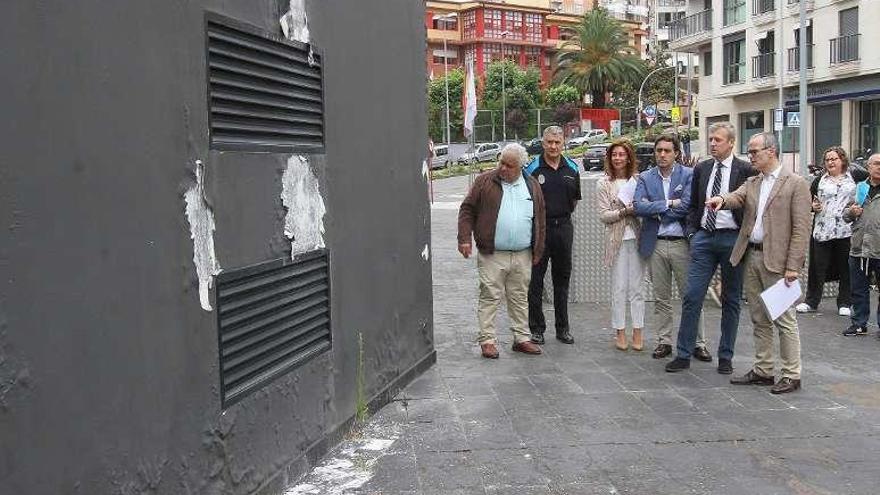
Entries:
{"x":470,"y":106}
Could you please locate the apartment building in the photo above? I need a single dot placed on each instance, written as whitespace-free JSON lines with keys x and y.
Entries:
{"x":528,"y":32}
{"x":739,"y":43}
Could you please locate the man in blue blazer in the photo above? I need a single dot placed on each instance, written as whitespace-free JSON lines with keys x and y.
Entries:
{"x":662,"y":200}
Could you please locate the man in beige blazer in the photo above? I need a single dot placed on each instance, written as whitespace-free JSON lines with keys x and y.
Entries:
{"x":773,"y":243}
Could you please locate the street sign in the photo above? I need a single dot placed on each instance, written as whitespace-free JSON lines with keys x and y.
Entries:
{"x":650,"y":114}
{"x":777,"y":119}
{"x":675,"y":114}
{"x":615,"y":128}
{"x":794,"y":119}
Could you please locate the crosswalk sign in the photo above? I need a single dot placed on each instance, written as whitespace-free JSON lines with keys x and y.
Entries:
{"x":794,"y":119}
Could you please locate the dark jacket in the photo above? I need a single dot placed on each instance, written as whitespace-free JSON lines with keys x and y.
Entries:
{"x":739,"y":171}
{"x":479,"y":213}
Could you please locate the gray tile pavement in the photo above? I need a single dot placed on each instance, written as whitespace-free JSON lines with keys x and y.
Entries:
{"x":588,"y":419}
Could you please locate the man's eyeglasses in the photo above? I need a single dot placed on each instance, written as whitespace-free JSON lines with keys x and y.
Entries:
{"x":755,"y":152}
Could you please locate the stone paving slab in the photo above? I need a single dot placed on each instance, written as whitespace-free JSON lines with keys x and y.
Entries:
{"x":588,"y":419}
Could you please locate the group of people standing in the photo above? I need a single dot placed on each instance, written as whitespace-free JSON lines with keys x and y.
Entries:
{"x":750,"y":220}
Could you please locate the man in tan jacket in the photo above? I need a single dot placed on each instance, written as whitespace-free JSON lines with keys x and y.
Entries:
{"x":773,"y":244}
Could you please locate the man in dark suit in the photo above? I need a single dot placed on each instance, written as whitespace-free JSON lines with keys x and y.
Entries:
{"x":662,"y":200}
{"x":712,"y":237}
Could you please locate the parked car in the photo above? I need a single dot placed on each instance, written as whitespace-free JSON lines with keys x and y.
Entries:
{"x":441,"y":157}
{"x":645,"y":155}
{"x":534,"y":147}
{"x":592,"y":136}
{"x":484,"y":152}
{"x":594,"y":157}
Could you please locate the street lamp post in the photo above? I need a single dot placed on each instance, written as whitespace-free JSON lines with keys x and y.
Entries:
{"x":446,"y":18}
{"x":503,"y":94}
{"x":641,"y":88}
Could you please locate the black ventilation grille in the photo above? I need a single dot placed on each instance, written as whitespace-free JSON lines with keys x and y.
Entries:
{"x":272,"y":318}
{"x":264,"y":95}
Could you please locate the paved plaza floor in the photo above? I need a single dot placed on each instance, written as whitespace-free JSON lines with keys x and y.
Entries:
{"x":588,"y":419}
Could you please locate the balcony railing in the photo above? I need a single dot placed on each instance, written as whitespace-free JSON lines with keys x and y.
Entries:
{"x":671,"y":3}
{"x":763,"y":6}
{"x":734,"y":72}
{"x":763,"y":65}
{"x":845,"y":48}
{"x":794,"y":58}
{"x":701,"y":22}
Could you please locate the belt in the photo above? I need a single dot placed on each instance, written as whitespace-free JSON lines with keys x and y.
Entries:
{"x":669,"y":238}
{"x":719,"y":230}
{"x":757,"y":246}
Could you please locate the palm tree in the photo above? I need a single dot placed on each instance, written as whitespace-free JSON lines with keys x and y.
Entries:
{"x":597,"y":57}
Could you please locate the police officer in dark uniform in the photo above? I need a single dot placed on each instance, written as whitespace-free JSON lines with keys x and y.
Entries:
{"x":561,"y":185}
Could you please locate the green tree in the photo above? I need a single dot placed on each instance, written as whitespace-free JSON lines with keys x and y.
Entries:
{"x":659,"y":88}
{"x":561,"y":94}
{"x":437,"y":106}
{"x":597,"y":57}
{"x":521,"y":95}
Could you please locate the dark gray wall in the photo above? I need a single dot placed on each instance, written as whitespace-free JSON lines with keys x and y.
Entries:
{"x":108,"y":365}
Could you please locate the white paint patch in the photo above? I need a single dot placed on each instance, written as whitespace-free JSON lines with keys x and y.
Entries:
{"x":301,"y":195}
{"x":425,"y":169}
{"x":426,"y":253}
{"x":201,"y":226}
{"x":352,"y":465}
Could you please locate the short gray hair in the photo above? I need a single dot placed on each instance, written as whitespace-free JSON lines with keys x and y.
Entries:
{"x":768,"y":141}
{"x":875,"y":156}
{"x":553,"y":130}
{"x":727,"y":126}
{"x":517,"y":152}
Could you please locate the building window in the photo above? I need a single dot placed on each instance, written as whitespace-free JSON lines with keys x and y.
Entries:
{"x":513,"y":23}
{"x":445,"y":24}
{"x":734,"y":59}
{"x":511,"y":52}
{"x":470,"y":55}
{"x":533,"y":56}
{"x":707,"y":63}
{"x":750,"y":123}
{"x":491,"y":52}
{"x":534,"y":28}
{"x":734,"y":12}
{"x":469,"y":22}
{"x":869,"y":125}
{"x":492,"y":25}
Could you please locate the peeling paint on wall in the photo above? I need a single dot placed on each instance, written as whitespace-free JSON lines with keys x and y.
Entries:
{"x":14,"y":373}
{"x":295,"y":25}
{"x":201,"y":226}
{"x":426,"y":253}
{"x":351,"y":466}
{"x":301,"y":196}
{"x":425,"y":169}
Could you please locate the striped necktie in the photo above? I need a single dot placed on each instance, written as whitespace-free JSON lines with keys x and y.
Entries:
{"x":716,"y":191}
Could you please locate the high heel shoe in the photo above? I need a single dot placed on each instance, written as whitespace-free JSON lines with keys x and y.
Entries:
{"x":637,"y":343}
{"x":620,"y":342}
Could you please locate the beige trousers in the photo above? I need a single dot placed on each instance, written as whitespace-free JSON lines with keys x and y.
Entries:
{"x":757,"y":278}
{"x":670,"y":258}
{"x":505,"y":273}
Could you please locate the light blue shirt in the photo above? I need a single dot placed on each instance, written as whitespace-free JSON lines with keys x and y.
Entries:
{"x":513,"y":229}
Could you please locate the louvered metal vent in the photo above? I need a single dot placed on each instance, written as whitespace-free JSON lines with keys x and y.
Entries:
{"x":272,"y":317}
{"x":264,"y":93}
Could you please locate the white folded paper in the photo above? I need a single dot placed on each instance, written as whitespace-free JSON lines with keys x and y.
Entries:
{"x":779,"y":297}
{"x":627,"y":192}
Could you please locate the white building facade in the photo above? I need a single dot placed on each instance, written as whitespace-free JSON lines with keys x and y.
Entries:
{"x":740,"y":44}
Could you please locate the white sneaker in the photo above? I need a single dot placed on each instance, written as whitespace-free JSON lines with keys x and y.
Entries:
{"x":844,"y":311}
{"x":804,"y":308}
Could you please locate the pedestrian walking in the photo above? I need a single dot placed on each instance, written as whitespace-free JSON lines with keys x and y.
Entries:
{"x":561,"y":185}
{"x":864,"y":253}
{"x":504,"y":212}
{"x":662,"y":200}
{"x":831,"y":192}
{"x":771,"y":245}
{"x":712,"y":237}
{"x":622,"y":228}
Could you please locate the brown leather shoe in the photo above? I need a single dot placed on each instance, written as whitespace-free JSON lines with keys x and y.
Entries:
{"x":702,"y":354}
{"x":526,"y":347}
{"x":786,"y":385}
{"x":489,"y":351}
{"x":752,"y":378}
{"x":661,"y":351}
